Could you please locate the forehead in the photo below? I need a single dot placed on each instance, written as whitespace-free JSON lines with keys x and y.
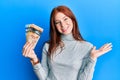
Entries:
{"x":60,"y":16}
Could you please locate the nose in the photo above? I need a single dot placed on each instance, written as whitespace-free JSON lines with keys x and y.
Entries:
{"x":63,"y":24}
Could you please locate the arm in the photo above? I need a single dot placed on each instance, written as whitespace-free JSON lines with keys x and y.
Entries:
{"x":41,"y":70}
{"x":87,"y":68}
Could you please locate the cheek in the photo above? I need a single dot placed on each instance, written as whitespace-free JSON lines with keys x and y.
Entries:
{"x":71,"y":25}
{"x":70,"y":22}
{"x":70,"y":29}
{"x":58,"y":29}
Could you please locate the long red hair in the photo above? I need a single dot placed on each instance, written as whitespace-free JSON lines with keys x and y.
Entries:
{"x":55,"y":36}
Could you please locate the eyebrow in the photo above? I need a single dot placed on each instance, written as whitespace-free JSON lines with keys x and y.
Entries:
{"x":62,"y":18}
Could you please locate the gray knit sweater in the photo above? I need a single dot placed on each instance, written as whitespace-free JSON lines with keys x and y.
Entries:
{"x":72,"y":63}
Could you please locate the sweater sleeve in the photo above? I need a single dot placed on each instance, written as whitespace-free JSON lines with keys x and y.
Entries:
{"x":42,"y":69}
{"x":87,"y":68}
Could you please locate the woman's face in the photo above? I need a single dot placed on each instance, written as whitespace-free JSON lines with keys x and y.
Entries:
{"x":63,"y":23}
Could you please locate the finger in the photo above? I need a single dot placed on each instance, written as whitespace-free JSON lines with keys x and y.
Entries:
{"x":30,"y":48}
{"x":26,"y":44}
{"x":94,"y":48}
{"x":103,"y":46}
{"x":31,"y":54}
{"x":107,"y":50}
{"x":26,"y":48}
{"x":108,"y":45}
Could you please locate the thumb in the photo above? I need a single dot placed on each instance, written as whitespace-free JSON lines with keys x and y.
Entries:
{"x":94,"y":48}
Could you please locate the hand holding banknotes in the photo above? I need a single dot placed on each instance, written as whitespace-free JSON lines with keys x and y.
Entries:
{"x":33,"y":33}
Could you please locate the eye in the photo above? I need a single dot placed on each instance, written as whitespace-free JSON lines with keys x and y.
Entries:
{"x":57,"y":23}
{"x":65,"y":19}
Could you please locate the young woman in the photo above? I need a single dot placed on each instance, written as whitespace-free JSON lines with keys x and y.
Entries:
{"x":66,"y":56}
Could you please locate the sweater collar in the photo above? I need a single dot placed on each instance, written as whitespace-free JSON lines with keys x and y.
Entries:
{"x":68,"y":37}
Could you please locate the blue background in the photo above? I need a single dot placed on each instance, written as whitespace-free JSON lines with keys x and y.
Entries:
{"x":99,"y":22}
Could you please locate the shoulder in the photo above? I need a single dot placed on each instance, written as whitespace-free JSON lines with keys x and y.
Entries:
{"x":85,"y":47}
{"x":86,"y":44}
{"x":46,"y":46}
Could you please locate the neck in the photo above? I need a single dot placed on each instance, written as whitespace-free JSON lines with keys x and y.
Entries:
{"x":67,"y":37}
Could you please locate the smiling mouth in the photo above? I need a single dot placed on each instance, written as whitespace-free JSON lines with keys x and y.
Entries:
{"x":64,"y":30}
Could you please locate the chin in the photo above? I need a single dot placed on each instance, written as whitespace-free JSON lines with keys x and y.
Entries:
{"x":66,"y":33}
